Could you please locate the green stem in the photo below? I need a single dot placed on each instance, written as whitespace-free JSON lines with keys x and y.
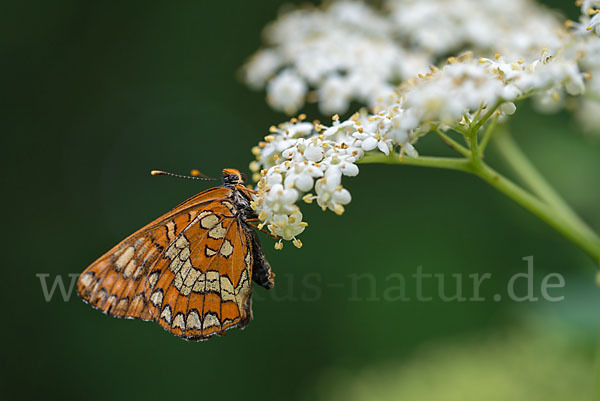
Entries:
{"x":568,"y":227}
{"x":483,"y":119}
{"x":488,"y":134}
{"x":530,"y":176}
{"x":451,"y":163}
{"x":452,"y":143}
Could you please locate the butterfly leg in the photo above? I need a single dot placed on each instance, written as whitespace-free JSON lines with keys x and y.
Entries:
{"x":261,"y":269}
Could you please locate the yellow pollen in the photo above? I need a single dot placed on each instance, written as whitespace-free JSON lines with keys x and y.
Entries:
{"x":308,"y":198}
{"x":297,"y":243}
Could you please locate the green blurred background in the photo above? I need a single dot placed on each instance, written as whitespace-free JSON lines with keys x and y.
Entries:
{"x":96,"y":94}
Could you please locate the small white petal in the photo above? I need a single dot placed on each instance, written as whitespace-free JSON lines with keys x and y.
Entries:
{"x":369,"y":144}
{"x":349,"y":169}
{"x":508,"y":108}
{"x":313,"y":153}
{"x":342,"y":196}
{"x":304,"y":182}
{"x":384,"y":147}
{"x":410,"y":150}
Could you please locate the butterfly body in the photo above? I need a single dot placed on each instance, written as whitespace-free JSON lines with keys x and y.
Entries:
{"x":190,"y":270}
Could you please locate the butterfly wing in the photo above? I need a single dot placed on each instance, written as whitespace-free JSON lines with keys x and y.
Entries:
{"x":201,"y":285}
{"x":116,"y":283}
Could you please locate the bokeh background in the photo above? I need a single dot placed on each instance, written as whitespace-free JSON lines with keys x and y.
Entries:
{"x":96,"y":94}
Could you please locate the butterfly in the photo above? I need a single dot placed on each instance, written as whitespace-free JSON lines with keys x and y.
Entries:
{"x":190,"y":270}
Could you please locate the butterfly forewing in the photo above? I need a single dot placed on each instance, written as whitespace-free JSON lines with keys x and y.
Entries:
{"x":190,"y":270}
{"x":117,"y":281}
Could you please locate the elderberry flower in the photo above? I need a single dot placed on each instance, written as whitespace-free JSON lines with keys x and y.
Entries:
{"x":348,"y":51}
{"x":298,"y":157}
{"x":345,"y":50}
{"x":515,"y":28}
{"x":330,"y":193}
{"x":589,"y":20}
{"x":286,"y":92}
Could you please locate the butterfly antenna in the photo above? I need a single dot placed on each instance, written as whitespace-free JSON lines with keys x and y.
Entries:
{"x":195,"y":175}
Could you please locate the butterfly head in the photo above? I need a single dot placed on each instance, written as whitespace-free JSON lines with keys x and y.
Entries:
{"x":232,"y":176}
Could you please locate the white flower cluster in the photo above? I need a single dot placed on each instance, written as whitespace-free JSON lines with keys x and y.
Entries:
{"x":514,"y":28}
{"x":589,"y":21}
{"x":346,"y":51}
{"x":299,"y":157}
{"x":587,"y":49}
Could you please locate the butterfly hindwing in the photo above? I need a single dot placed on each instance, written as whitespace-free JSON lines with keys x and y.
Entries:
{"x":201,"y":285}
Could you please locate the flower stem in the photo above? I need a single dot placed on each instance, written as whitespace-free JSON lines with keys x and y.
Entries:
{"x":568,"y":227}
{"x":452,"y":163}
{"x":452,"y":143}
{"x":531,"y":177}
{"x":488,"y":134}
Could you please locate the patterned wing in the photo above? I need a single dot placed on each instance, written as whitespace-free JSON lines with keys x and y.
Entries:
{"x":202,"y":284}
{"x":116,"y":283}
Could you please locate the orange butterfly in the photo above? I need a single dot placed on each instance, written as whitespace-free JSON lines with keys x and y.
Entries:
{"x":190,"y":270}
